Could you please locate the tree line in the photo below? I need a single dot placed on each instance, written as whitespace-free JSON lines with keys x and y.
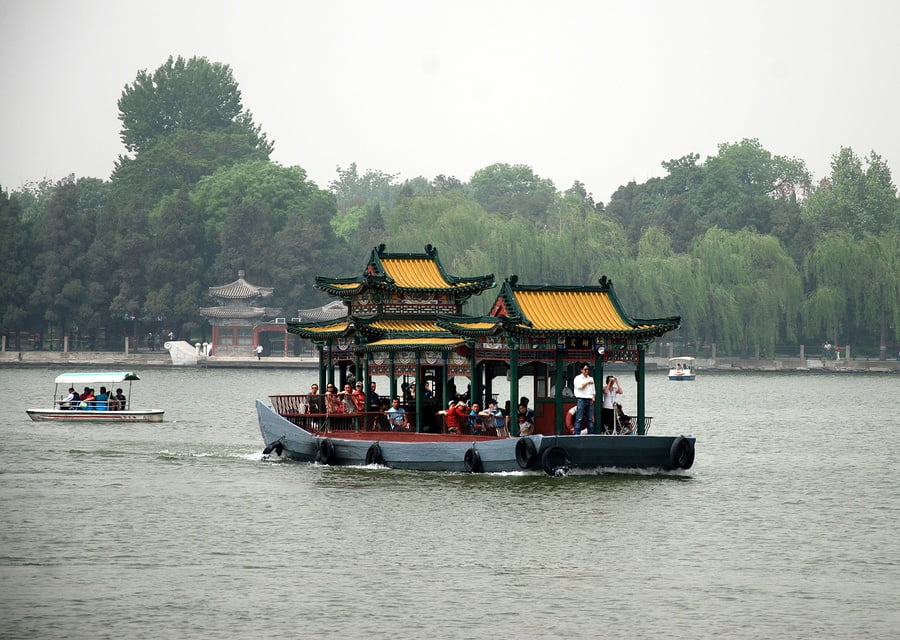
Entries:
{"x":743,"y":245}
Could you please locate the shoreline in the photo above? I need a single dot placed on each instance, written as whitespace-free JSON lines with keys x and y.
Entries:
{"x":75,"y":359}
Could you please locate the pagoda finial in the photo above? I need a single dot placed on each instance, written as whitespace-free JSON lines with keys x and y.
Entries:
{"x":241,"y":273}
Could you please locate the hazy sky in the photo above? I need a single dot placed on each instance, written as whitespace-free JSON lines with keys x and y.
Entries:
{"x":595,"y":91}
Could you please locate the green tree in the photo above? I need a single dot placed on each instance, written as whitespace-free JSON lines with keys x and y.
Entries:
{"x":509,"y":189}
{"x":753,"y":291}
{"x":285,"y":191}
{"x":192,"y":95}
{"x":15,"y":264}
{"x":855,"y":199}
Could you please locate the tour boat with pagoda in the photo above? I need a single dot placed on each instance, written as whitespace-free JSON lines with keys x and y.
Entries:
{"x":405,"y":321}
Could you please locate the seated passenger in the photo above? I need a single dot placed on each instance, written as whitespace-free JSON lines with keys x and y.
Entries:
{"x":101,"y":400}
{"x":396,"y":416}
{"x":70,"y":401}
{"x":347,"y":399}
{"x":624,"y":421}
{"x":87,"y":399}
{"x":121,"y":402}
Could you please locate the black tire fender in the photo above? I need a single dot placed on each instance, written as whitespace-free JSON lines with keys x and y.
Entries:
{"x":472,"y":461}
{"x":681,"y":453}
{"x":526,"y":453}
{"x":325,"y":453}
{"x":374,"y":455}
{"x":555,"y":461}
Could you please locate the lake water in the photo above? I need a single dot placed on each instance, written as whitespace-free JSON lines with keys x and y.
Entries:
{"x":786,"y":526}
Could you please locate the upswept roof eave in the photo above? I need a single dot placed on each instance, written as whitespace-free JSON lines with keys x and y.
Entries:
{"x":470,"y":326}
{"x":321,"y":328}
{"x":456,"y":284}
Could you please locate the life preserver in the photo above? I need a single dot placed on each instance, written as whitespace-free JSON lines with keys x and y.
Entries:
{"x":526,"y":453}
{"x":472,"y":461}
{"x":374,"y":455}
{"x":325,"y":452}
{"x":555,"y":461}
{"x":681,"y":453}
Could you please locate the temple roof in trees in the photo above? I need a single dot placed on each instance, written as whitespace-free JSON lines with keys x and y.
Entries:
{"x":560,"y":311}
{"x":240,"y":289}
{"x":405,"y":272}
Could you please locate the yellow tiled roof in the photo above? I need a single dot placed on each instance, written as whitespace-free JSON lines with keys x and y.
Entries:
{"x":416,"y":342}
{"x":417,"y":273}
{"x":345,"y":285}
{"x":331,"y":328}
{"x":406,"y":326}
{"x":570,"y":310}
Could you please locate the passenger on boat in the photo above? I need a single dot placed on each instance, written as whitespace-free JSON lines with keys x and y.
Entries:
{"x":457,"y":415}
{"x":314,"y":402}
{"x":623,"y":421}
{"x":87,"y":399}
{"x":373,"y":401}
{"x":359,"y":397}
{"x":101,"y":400}
{"x":71,"y":400}
{"x":585,"y":393}
{"x":347,"y":399}
{"x":611,"y":389}
{"x":426,"y":392}
{"x":121,"y":401}
{"x":397,"y":417}
{"x":495,"y":414}
{"x":333,"y":403}
{"x":476,"y":421}
{"x":526,"y":428}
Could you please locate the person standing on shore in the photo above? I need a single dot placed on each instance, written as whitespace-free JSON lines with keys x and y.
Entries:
{"x":585,"y":394}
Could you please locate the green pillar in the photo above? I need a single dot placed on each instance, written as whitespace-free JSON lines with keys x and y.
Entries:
{"x":513,"y":385}
{"x":320,"y":348}
{"x":392,"y":384}
{"x":558,"y":396}
{"x":474,"y":387}
{"x":417,"y":380}
{"x":641,"y":389}
{"x":330,"y":362}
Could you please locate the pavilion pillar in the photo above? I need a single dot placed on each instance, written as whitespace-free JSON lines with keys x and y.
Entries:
{"x":641,"y":388}
{"x":321,"y":353}
{"x":392,"y":383}
{"x":419,"y":394}
{"x":513,"y":385}
{"x":559,"y":414}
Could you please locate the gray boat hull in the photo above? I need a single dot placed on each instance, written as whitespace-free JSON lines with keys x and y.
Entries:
{"x":549,"y":453}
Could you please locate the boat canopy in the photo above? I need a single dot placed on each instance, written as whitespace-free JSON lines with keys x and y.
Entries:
{"x":681,"y":359}
{"x":96,"y":377}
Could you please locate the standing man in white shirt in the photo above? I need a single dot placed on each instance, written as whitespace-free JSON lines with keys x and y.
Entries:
{"x":584,"y":394}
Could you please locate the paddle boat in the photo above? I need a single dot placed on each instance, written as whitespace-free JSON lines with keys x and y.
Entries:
{"x":681,"y":368}
{"x":94,"y":410}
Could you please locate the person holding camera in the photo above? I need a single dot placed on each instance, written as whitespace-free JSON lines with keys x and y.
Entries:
{"x":611,"y":389}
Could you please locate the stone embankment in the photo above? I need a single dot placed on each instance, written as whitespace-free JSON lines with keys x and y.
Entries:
{"x":76,"y":359}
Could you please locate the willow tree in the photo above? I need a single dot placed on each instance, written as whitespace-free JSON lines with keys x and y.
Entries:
{"x":854,"y":286}
{"x":753,"y":290}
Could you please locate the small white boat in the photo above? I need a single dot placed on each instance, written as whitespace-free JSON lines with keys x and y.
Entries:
{"x":94,"y":410}
{"x":681,"y":368}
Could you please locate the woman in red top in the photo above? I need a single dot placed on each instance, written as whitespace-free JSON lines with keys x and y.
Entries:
{"x":457,"y":415}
